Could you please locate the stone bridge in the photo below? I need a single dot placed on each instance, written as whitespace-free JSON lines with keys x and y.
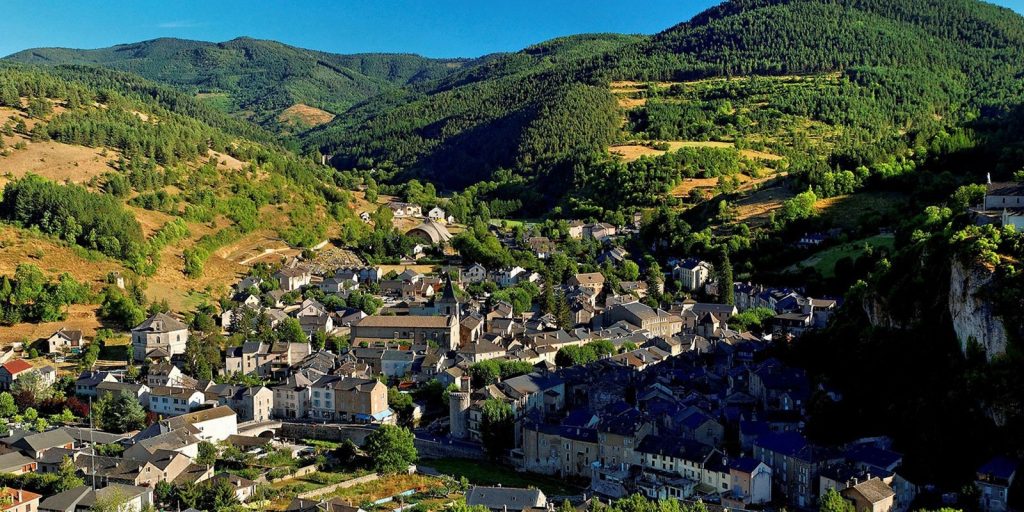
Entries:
{"x":267,"y":428}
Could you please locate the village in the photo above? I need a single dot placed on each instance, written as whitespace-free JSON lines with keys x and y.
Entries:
{"x":609,"y":392}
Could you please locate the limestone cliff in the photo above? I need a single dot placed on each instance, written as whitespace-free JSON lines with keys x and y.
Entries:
{"x":974,"y":317}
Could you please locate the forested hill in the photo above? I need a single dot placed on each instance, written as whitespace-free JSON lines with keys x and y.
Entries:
{"x":256,"y":78}
{"x":544,"y":110}
{"x":893,"y":74}
{"x":745,"y":37}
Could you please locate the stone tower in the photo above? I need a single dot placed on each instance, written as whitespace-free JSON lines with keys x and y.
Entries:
{"x":458,"y":409}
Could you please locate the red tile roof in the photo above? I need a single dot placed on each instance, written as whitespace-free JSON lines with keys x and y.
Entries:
{"x":16,"y":366}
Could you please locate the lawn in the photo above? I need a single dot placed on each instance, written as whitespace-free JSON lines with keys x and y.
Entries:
{"x":825,"y":261}
{"x":485,"y":473}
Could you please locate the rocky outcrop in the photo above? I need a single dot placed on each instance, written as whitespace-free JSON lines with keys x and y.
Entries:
{"x":974,"y":317}
{"x":879,"y":314}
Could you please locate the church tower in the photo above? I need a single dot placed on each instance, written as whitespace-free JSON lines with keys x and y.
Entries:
{"x":448,"y":304}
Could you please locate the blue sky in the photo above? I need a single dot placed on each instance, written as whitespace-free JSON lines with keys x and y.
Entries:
{"x":435,"y":28}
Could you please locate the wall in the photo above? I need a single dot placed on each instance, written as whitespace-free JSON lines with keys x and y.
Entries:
{"x":437,"y":450}
{"x":341,"y":485}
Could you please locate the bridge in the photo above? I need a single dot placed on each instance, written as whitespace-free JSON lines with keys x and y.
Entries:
{"x":267,"y":428}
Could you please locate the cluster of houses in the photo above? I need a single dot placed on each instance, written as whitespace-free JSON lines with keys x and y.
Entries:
{"x":166,"y":451}
{"x":685,"y":406}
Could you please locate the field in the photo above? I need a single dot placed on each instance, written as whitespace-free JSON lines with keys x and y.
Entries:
{"x":630,"y":152}
{"x":824,"y":262}
{"x":49,"y":159}
{"x":482,"y":473}
{"x":304,"y":116}
{"x":758,"y":206}
{"x":80,"y":317}
{"x":850,"y":212}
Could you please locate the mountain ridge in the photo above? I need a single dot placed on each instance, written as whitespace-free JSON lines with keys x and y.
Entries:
{"x":255,"y":78}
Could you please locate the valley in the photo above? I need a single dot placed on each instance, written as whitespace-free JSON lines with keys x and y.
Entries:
{"x":767,"y":258}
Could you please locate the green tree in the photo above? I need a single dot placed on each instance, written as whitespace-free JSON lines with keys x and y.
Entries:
{"x":485,"y":373}
{"x":207,"y":453}
{"x":9,"y":95}
{"x":391,"y":449}
{"x":629,"y":270}
{"x":726,"y":294}
{"x":32,"y":387}
{"x":7,"y":406}
{"x":402,"y":404}
{"x":290,"y":331}
{"x":496,"y":429}
{"x":67,"y":476}
{"x":832,"y":501}
{"x":120,"y":413}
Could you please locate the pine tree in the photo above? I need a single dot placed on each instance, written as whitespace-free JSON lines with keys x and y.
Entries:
{"x":725,"y":289}
{"x":562,"y":314}
{"x":9,"y":96}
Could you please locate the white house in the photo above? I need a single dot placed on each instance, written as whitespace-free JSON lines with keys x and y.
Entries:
{"x":512,"y":276}
{"x":174,"y":401}
{"x":475,"y":274}
{"x":402,"y":210}
{"x":65,"y":341}
{"x":437,"y":214}
{"x":692,"y":273}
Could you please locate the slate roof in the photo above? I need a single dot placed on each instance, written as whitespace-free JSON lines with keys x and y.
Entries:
{"x":1006,"y":188}
{"x":744,"y":464}
{"x":191,"y":418}
{"x":785,"y":443}
{"x":505,"y":498}
{"x":874,"y":490}
{"x":173,"y":440}
{"x":161,"y":322}
{"x":874,"y":456}
{"x":14,"y":461}
{"x":37,"y":442}
{"x":999,"y":467}
{"x":690,"y":263}
{"x":66,"y":500}
{"x":406,"y":322}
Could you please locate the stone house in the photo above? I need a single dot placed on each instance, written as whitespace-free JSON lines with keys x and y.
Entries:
{"x":293,"y":278}
{"x":444,"y":330}
{"x":594,"y":281}
{"x":159,"y":336}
